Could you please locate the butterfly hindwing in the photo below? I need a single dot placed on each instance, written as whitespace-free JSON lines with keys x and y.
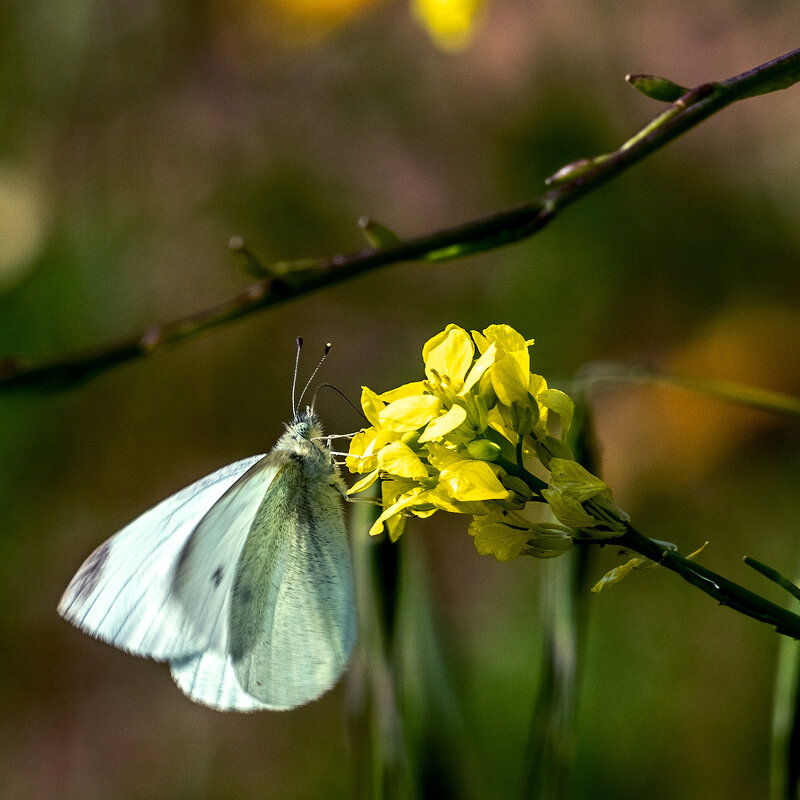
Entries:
{"x":208,"y":678}
{"x":292,"y":620}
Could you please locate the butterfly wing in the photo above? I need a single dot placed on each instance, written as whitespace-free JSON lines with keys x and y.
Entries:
{"x":292,"y":613}
{"x":204,"y":576}
{"x":273,"y":632}
{"x":122,"y":593}
{"x":208,"y":678}
{"x":286,"y":616}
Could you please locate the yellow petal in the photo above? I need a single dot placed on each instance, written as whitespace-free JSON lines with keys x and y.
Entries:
{"x":399,"y":459}
{"x":441,"y":426}
{"x":406,"y":390}
{"x":506,"y":338}
{"x":440,"y":499}
{"x":395,"y":526}
{"x":479,"y":367}
{"x":449,"y":353}
{"x":372,"y":405}
{"x":511,"y":377}
{"x":365,"y":482}
{"x":404,"y":501}
{"x":360,"y":457}
{"x":472,"y":480}
{"x":536,"y":385}
{"x":481,"y":342}
{"x":411,"y":413}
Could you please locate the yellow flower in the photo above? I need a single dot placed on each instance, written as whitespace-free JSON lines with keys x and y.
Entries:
{"x":459,"y":485}
{"x":455,"y":441}
{"x":468,"y":480}
{"x":511,"y":368}
{"x":449,"y":354}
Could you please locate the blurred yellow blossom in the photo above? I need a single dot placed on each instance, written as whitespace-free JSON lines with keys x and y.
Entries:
{"x":450,"y":23}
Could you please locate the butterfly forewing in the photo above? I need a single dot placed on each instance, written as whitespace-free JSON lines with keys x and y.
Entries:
{"x":206,"y":568}
{"x":123,"y":592}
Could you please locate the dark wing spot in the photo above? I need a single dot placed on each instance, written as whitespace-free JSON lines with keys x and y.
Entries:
{"x":216,"y":577}
{"x":90,"y":574}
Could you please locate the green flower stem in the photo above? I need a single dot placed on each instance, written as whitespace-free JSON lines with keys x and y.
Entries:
{"x":292,"y":280}
{"x":726,"y":592}
{"x":536,"y":485}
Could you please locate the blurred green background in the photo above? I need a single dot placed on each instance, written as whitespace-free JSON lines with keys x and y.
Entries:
{"x":136,"y":138}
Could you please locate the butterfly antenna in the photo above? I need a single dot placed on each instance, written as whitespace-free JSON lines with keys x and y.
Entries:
{"x":294,"y":377}
{"x":344,"y":396}
{"x":313,"y":375}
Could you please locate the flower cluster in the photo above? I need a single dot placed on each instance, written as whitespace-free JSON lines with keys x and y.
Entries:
{"x":470,"y":439}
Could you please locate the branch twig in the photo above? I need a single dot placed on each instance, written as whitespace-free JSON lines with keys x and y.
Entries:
{"x":568,"y":185}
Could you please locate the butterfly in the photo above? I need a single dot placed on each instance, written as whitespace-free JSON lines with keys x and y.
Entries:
{"x":242,"y":581}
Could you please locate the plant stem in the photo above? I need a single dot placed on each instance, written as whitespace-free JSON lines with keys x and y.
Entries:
{"x":569,"y":184}
{"x":552,"y":735}
{"x":600,"y":372}
{"x":725,"y":591}
{"x":534,"y":484}
{"x":785,"y":755}
{"x":550,"y":746}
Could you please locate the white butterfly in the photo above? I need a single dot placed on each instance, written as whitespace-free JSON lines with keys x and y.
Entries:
{"x":242,"y":581}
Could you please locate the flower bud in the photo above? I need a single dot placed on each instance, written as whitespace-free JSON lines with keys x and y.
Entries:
{"x":483,"y":449}
{"x":656,"y":87}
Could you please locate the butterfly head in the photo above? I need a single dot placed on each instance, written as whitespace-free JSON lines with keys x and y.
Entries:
{"x":305,"y":425}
